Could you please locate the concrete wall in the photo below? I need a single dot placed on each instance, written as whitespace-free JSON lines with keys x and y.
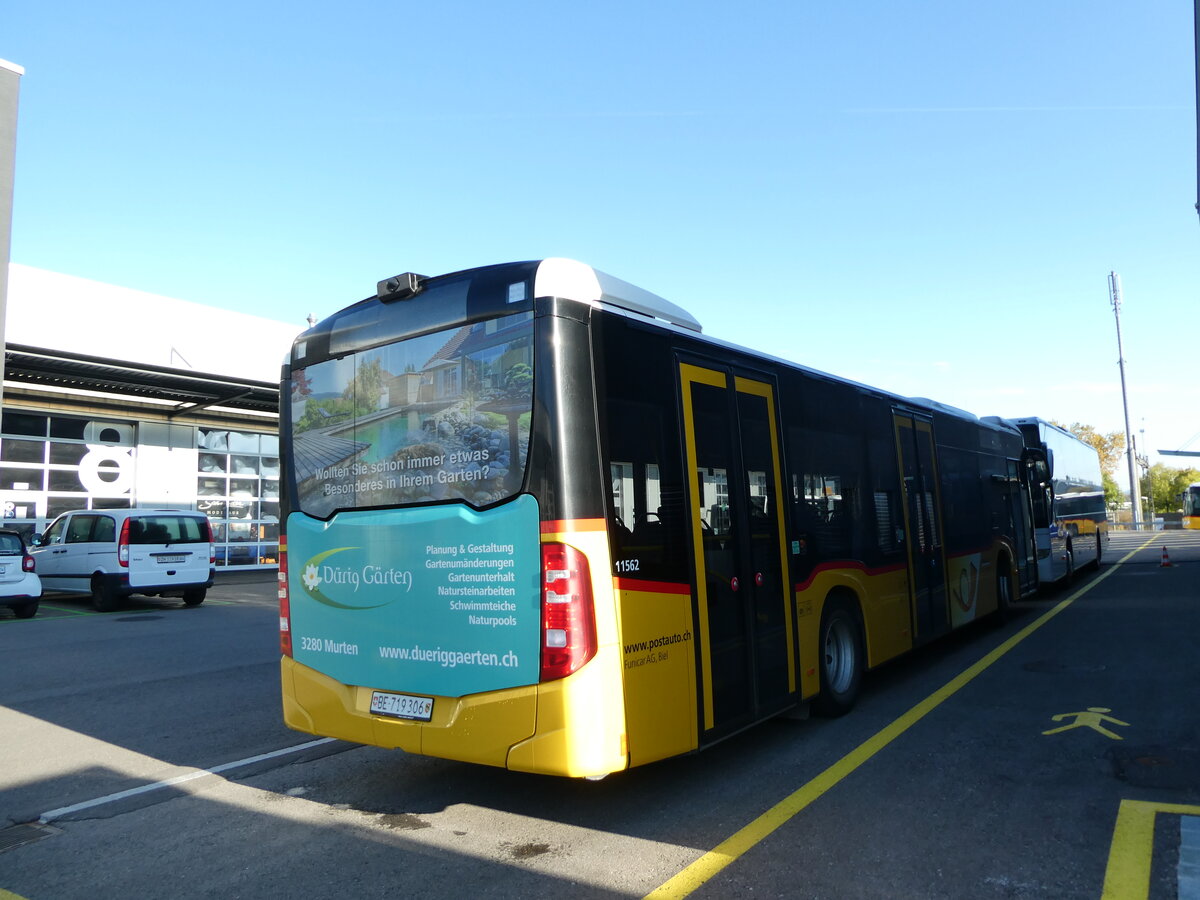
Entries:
{"x":10,"y":81}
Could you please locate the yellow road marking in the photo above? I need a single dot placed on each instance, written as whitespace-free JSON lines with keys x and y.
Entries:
{"x":1128,"y":874}
{"x":1088,"y":718}
{"x":712,"y":862}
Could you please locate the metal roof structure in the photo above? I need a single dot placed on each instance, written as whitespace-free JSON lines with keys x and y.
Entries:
{"x":190,"y":391}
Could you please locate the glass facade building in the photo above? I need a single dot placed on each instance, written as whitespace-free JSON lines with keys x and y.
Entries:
{"x":51,"y":462}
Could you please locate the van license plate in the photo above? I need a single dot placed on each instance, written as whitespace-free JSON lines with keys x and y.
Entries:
{"x":402,"y":706}
{"x":175,"y":558}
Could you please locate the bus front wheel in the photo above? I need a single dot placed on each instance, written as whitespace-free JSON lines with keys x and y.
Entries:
{"x":1004,"y":593}
{"x":841,"y":648}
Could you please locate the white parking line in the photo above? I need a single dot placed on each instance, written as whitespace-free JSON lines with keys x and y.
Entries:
{"x":53,"y":814}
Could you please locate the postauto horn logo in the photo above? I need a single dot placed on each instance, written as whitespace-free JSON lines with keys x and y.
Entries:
{"x":322,"y":578}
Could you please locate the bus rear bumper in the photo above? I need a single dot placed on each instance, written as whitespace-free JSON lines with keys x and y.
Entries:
{"x":556,"y":728}
{"x":479,"y":728}
{"x":580,"y":724}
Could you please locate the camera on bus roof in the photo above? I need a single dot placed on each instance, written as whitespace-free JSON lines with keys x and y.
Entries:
{"x":399,"y":287}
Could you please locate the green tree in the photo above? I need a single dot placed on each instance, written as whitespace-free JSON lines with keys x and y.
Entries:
{"x":1163,"y":485}
{"x":1111,"y":446}
{"x":1113,"y":495}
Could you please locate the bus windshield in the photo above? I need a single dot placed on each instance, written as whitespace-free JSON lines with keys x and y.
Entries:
{"x":442,"y":416}
{"x":1191,"y":500}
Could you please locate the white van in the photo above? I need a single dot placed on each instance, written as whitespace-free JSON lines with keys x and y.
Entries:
{"x":112,"y":553}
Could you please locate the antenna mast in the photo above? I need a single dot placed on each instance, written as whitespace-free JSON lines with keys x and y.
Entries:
{"x":1135,"y":493}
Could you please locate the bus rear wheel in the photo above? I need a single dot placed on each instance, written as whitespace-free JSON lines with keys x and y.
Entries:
{"x":841,"y":647}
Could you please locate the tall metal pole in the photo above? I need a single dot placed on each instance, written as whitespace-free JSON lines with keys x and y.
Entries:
{"x":1144,"y":462}
{"x":1135,"y":493}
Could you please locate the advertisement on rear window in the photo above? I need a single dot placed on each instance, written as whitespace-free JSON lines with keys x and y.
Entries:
{"x":443,"y":416}
{"x":441,"y":600}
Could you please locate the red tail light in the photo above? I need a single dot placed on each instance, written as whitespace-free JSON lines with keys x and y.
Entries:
{"x":28,"y":564}
{"x":568,"y":615}
{"x":285,"y":606}
{"x":208,"y":536}
{"x":123,"y":545}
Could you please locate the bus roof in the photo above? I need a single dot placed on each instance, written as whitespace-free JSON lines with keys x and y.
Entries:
{"x":572,"y":280}
{"x":569,"y":279}
{"x":1042,"y":425}
{"x":566,"y":279}
{"x":950,"y":410}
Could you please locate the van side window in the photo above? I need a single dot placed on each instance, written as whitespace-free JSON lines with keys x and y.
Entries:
{"x":54,"y":534}
{"x":80,"y":529}
{"x":105,"y":529}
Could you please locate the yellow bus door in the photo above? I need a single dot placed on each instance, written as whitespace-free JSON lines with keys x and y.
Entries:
{"x":922,"y":525}
{"x":747,"y":652}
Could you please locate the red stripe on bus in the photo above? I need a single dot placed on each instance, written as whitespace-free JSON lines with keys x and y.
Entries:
{"x":846,"y":564}
{"x":652,"y":587}
{"x":565,"y":526}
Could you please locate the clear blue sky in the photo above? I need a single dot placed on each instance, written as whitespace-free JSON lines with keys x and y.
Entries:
{"x":925,"y":197}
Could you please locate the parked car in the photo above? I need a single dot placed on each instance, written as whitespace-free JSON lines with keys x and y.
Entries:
{"x":20,"y":587}
{"x":113,"y":553}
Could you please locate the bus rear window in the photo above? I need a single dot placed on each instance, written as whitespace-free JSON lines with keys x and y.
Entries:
{"x":442,"y":416}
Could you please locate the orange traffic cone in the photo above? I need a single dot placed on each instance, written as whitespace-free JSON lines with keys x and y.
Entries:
{"x":1166,"y":560}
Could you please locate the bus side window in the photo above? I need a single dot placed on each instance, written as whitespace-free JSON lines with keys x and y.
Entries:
{"x":889,"y":530}
{"x":622,"y":495}
{"x":646,"y":527}
{"x":639,"y":412}
{"x":888,"y":536}
{"x":826,"y":476}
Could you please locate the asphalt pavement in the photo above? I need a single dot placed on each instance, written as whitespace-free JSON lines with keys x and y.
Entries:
{"x":1055,"y":755}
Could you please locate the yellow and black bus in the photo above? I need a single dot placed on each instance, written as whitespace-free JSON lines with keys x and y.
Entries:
{"x":1191,"y":506}
{"x":535,"y":518}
